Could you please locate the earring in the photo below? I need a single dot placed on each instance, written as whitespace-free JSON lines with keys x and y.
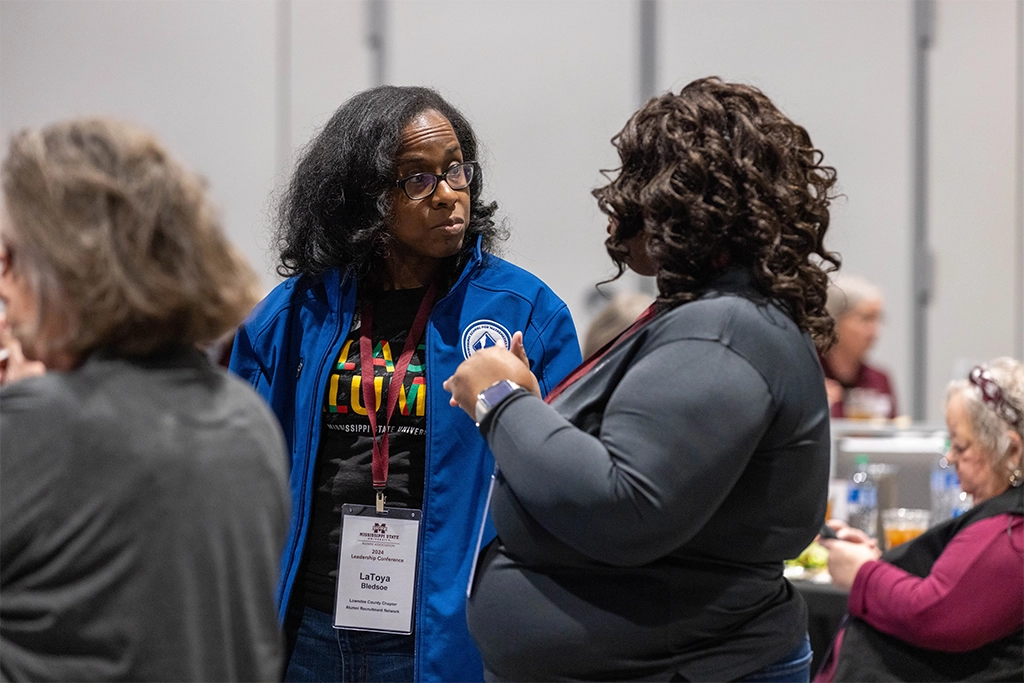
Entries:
{"x":1015,"y":478}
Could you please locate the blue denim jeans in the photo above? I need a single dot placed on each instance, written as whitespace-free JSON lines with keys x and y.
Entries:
{"x":793,"y":668}
{"x":320,"y":652}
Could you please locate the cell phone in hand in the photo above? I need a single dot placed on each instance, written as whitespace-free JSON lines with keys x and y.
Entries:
{"x":827,"y":532}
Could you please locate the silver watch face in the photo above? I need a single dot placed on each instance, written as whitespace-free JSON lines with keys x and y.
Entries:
{"x":481,"y":410}
{"x":492,"y":396}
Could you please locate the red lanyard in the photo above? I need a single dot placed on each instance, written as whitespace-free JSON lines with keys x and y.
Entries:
{"x":380,"y":447}
{"x":589,"y":363}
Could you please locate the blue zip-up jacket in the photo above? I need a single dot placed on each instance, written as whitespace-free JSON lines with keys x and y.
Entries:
{"x":285,"y":349}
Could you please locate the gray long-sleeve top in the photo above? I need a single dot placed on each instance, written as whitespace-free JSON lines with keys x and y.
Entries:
{"x":644,"y":516}
{"x":143,"y":506}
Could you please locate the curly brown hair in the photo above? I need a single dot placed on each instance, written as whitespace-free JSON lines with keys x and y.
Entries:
{"x":717,"y":176}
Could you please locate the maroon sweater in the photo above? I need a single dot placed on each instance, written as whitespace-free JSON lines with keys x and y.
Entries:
{"x":867,"y":378}
{"x":952,"y":610}
{"x":973,"y":595}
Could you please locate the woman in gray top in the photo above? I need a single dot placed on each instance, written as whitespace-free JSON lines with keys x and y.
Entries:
{"x":644,"y":512}
{"x":142,"y":490}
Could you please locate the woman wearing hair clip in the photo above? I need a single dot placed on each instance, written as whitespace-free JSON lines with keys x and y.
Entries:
{"x":949,"y":605}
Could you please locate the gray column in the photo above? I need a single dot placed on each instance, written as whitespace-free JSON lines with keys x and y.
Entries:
{"x":1018,"y":309}
{"x":283,"y":85}
{"x":648,"y":76}
{"x":922,"y":270}
{"x":377,"y":25}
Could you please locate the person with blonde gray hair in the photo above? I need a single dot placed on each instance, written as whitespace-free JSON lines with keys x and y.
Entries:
{"x":948,"y":605}
{"x":142,"y":490}
{"x":855,"y":388}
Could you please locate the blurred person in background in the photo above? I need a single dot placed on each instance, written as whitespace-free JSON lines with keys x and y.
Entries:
{"x":387,"y":239}
{"x":645,"y":511}
{"x":948,"y":605}
{"x":856,"y":389}
{"x":618,"y":314}
{"x":143,"y":499}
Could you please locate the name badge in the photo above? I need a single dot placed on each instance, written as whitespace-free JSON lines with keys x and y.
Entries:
{"x":377,"y":569}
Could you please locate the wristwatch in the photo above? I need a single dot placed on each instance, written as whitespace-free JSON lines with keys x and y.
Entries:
{"x":492,"y":396}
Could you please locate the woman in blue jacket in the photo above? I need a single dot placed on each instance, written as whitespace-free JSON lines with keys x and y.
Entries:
{"x":387,"y":240}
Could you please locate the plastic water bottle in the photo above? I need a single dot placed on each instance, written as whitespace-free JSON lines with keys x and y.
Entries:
{"x":862,"y":502}
{"x":948,"y":500}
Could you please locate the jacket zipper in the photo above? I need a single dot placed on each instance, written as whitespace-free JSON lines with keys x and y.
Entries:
{"x":310,"y":461}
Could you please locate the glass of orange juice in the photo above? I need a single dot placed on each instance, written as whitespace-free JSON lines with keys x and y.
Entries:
{"x":903,"y":524}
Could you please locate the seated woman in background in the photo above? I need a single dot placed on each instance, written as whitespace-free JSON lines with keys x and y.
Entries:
{"x":143,"y":502}
{"x":644,"y":515}
{"x":855,"y":389}
{"x":948,"y":605}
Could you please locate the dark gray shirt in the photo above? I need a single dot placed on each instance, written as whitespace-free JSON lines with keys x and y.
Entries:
{"x":143,"y":506}
{"x":643,"y":517}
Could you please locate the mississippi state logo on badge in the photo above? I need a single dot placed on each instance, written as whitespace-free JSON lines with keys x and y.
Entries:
{"x":483,"y":334}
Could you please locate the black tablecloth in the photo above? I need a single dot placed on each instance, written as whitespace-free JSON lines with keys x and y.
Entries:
{"x":826,"y":606}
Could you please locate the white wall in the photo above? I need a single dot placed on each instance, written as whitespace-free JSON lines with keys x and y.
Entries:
{"x":198,"y":73}
{"x":971,"y":209}
{"x":546,"y":85}
{"x":329,"y":60}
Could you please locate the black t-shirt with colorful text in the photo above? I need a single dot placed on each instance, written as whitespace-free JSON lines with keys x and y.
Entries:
{"x":343,"y":464}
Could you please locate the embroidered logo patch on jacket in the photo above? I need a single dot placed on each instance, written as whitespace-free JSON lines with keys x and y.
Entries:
{"x":483,"y":334}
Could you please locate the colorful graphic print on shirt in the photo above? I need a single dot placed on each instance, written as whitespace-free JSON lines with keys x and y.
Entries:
{"x":344,"y":409}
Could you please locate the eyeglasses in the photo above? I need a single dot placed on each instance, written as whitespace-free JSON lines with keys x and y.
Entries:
{"x":422,"y":185}
{"x":992,"y":395}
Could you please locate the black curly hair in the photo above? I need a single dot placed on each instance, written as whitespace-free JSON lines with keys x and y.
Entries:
{"x":717,"y":176}
{"x":336,"y":210}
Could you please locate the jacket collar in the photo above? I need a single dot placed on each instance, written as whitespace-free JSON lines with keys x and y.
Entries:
{"x":476,"y":256}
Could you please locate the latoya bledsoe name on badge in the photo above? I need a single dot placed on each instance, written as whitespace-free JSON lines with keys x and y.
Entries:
{"x":375,"y":582}
{"x":377,"y":558}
